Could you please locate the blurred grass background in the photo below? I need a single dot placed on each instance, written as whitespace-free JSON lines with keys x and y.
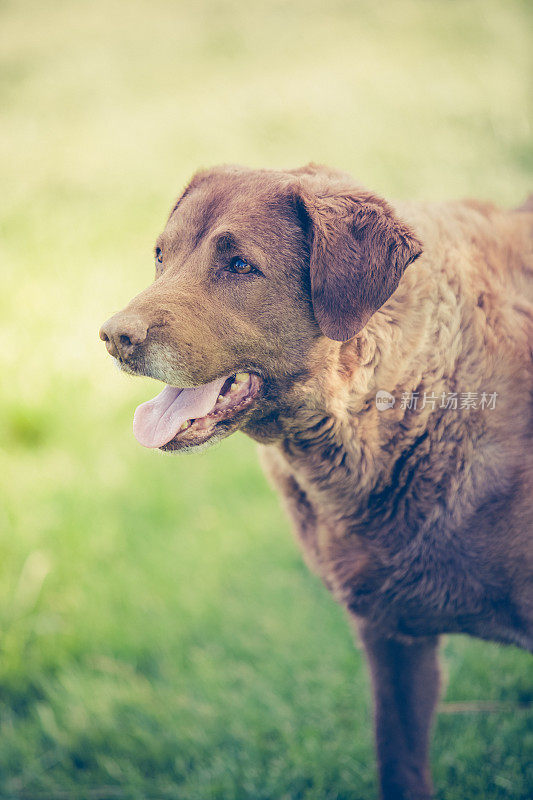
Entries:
{"x":160,"y":637}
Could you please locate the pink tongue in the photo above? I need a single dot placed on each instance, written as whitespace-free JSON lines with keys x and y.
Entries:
{"x":156,"y":422}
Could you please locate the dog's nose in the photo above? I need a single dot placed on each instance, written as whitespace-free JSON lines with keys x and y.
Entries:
{"x":123,"y":334}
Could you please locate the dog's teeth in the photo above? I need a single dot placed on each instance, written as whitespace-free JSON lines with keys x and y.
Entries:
{"x":234,"y":387}
{"x":240,"y":377}
{"x":219,"y":398}
{"x":185,"y":425}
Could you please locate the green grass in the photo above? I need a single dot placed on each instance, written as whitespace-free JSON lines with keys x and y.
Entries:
{"x":160,"y":636}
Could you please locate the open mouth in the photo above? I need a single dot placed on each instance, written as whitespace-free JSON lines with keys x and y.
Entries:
{"x":187,"y":417}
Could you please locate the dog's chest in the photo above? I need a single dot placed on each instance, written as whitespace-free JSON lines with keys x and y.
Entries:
{"x":387,"y":559}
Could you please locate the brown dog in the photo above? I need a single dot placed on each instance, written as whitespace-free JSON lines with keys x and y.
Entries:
{"x":393,"y":409}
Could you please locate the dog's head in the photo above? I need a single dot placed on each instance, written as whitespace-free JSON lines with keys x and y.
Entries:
{"x":252,"y":268}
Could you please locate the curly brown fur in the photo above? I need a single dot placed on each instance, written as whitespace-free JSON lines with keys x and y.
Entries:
{"x":418,"y":520}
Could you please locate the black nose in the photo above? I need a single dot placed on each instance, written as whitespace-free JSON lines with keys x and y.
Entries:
{"x":123,"y":334}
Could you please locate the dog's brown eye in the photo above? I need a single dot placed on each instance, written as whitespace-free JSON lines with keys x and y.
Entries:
{"x":241,"y":267}
{"x":159,"y":255}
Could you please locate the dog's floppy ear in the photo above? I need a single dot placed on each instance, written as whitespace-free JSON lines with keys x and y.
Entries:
{"x":358,"y":252}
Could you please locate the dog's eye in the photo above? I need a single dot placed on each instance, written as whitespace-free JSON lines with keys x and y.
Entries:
{"x":159,"y":255}
{"x":240,"y":266}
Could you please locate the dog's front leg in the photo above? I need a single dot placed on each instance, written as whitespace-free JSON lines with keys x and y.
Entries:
{"x":405,"y":679}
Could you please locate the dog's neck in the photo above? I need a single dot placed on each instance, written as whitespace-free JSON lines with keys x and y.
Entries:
{"x":332,"y":434}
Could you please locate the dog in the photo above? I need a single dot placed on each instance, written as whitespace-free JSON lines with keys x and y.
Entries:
{"x":380,"y":354}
